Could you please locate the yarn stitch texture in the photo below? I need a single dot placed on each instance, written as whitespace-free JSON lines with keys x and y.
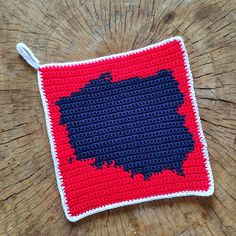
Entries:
{"x":125,"y":129}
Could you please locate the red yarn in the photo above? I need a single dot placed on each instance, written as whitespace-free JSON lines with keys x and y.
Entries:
{"x":88,"y":188}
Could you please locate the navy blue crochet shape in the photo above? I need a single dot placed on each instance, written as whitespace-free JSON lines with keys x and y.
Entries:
{"x":132,"y":123}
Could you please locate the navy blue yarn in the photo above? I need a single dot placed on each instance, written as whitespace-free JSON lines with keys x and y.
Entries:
{"x":133,"y":123}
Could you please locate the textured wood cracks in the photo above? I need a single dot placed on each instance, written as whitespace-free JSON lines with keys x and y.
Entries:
{"x":59,"y":31}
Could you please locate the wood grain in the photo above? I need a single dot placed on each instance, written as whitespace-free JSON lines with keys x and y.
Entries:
{"x":59,"y":31}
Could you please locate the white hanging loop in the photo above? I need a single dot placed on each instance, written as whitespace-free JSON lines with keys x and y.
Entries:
{"x":27,"y":54}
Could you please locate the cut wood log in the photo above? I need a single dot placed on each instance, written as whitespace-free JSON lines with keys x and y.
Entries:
{"x":70,"y":30}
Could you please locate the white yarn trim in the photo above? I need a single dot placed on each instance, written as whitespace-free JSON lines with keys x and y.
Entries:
{"x":27,"y":54}
{"x":134,"y":201}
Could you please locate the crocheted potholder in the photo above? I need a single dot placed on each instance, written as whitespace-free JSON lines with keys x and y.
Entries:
{"x":124,"y":128}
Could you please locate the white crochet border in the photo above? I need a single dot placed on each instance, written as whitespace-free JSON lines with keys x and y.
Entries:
{"x":209,"y":192}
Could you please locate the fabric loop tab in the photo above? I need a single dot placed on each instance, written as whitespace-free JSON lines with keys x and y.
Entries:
{"x":28,"y":55}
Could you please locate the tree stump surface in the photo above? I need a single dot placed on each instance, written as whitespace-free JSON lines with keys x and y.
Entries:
{"x":70,"y":30}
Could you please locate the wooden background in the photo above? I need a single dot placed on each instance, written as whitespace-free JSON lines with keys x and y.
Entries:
{"x":61,"y":30}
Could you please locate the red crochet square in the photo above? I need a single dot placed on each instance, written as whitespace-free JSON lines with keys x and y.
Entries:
{"x":125,"y":129}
